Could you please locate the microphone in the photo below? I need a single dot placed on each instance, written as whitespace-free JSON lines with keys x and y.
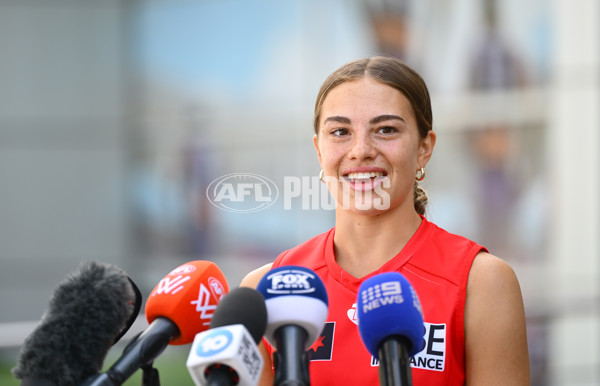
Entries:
{"x":89,"y":311}
{"x":390,"y":322}
{"x":297,"y":307}
{"x":227,"y":354}
{"x":180,"y":306}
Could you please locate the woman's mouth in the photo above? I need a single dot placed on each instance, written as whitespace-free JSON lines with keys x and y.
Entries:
{"x":364,"y":175}
{"x":364,"y":180}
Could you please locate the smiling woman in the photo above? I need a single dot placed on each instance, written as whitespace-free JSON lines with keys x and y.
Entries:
{"x":369,"y":135}
{"x":374,"y":138}
{"x":415,"y":106}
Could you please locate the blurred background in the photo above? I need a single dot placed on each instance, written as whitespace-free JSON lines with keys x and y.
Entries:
{"x":115,"y":116}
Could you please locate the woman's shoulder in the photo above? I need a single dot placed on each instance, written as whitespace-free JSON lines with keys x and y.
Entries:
{"x":444,"y":254}
{"x":308,"y":253}
{"x":442,"y":235}
{"x":490,"y":274}
{"x":253,"y":277}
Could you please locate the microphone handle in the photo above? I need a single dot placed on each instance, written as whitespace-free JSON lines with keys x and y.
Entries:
{"x":291,"y":359}
{"x":221,"y":376}
{"x":97,"y":380}
{"x":394,"y":362}
{"x":142,"y":351}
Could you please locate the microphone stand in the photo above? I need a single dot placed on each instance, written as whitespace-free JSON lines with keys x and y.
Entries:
{"x":150,"y":375}
{"x":394,"y":363}
{"x":141,"y":351}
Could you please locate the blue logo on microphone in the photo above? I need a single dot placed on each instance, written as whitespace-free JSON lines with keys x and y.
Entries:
{"x":387,"y":305}
{"x":214,"y":343}
{"x":291,"y":281}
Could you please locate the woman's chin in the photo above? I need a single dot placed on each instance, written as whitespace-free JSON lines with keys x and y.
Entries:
{"x":367,"y":207}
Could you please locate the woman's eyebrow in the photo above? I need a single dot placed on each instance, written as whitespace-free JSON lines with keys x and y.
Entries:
{"x":386,"y":117}
{"x":338,"y":119}
{"x":373,"y":121}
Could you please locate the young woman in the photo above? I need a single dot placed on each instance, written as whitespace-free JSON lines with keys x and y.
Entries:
{"x":374,"y":138}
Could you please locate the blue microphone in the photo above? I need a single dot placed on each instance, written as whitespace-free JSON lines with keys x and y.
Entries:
{"x":390,"y":322}
{"x":297,"y":308}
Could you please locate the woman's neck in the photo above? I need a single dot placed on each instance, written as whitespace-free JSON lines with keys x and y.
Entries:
{"x":363,"y":243}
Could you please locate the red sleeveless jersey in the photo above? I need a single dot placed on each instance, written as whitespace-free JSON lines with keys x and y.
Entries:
{"x":436,"y":263}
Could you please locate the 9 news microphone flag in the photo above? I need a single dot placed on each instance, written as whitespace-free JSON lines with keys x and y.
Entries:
{"x":390,"y":322}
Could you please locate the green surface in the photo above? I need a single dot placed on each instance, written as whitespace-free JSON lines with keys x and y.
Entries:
{"x":170,"y":365}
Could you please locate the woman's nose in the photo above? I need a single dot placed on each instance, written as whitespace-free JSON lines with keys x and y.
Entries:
{"x":362,"y":147}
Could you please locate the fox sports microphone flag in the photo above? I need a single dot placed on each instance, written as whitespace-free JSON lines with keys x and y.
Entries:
{"x":188,"y":296}
{"x":294,"y":296}
{"x":388,"y":306}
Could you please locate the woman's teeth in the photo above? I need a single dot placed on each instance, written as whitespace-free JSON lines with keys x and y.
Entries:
{"x":362,"y":176}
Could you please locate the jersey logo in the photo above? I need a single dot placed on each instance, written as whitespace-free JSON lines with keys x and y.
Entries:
{"x":433,"y":356}
{"x":322,"y":348}
{"x":352,"y":314}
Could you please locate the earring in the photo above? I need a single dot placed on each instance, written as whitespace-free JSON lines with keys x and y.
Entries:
{"x":321,"y":175}
{"x":420,"y":175}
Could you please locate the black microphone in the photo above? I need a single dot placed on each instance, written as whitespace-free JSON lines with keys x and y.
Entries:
{"x":390,"y":322}
{"x":297,"y":307}
{"x":227,"y":354}
{"x":88,"y":312}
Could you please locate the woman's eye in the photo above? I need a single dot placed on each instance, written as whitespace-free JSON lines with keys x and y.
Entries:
{"x":339,"y":132}
{"x":387,"y":130}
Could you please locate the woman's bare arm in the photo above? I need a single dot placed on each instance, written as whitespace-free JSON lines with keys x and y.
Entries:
{"x":495,"y":333}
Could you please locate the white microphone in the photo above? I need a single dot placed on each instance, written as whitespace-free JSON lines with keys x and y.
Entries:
{"x":297,"y":307}
{"x":227,"y":353}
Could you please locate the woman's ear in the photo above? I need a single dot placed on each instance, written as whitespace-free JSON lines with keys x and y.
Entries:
{"x":316,"y":143}
{"x":426,"y":148}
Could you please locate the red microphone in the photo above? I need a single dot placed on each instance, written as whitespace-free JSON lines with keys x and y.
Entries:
{"x":188,"y":296}
{"x":180,"y":306}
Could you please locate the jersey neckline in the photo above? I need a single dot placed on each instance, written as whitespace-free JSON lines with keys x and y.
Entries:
{"x":394,"y":264}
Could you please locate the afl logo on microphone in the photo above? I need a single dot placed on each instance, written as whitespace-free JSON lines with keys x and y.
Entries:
{"x":213,"y":343}
{"x":291,"y":282}
{"x":242,"y":193}
{"x":216,"y":287}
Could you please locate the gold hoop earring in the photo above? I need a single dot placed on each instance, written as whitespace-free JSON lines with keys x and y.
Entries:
{"x":420,"y":175}
{"x":322,"y":175}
